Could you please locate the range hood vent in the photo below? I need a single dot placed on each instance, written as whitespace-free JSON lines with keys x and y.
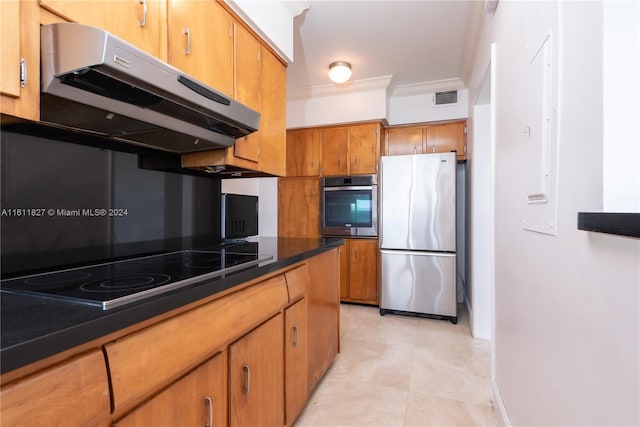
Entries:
{"x":95,"y":82}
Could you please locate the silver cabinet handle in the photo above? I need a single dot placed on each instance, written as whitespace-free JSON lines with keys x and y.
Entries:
{"x":144,"y":13}
{"x":209,"y":403}
{"x":187,"y":31}
{"x":247,"y":379}
{"x":295,"y":336}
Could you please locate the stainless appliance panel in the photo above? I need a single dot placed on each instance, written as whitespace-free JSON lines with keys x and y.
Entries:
{"x":348,"y":206}
{"x":419,"y":282}
{"x":95,"y":82}
{"x":418,"y":203}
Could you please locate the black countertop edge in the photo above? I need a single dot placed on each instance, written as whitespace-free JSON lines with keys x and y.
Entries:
{"x":82,"y":324}
{"x":618,"y":223}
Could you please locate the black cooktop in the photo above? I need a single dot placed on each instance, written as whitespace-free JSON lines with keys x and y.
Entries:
{"x":113,"y":284}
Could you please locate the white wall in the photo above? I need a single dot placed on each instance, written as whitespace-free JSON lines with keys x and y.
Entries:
{"x":621,"y":60}
{"x":272,"y":20}
{"x":267,"y":191}
{"x":409,"y":106}
{"x":567,"y":306}
{"x":350,"y":102}
{"x":480,"y":167}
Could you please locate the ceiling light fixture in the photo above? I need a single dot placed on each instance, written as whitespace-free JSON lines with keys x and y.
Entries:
{"x":340,"y":71}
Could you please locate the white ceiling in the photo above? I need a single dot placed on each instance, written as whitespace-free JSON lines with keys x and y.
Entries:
{"x":413,"y":41}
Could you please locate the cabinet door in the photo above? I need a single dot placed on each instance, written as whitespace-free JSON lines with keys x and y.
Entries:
{"x":323,"y":314}
{"x":447,"y":137}
{"x":256,"y":376}
{"x":140,"y":22}
{"x":334,"y":151}
{"x":200,"y":42}
{"x":303,"y":153}
{"x":273,"y":114}
{"x":363,"y":270}
{"x":20,"y":41}
{"x":295,"y":356}
{"x":299,"y":207}
{"x":197,"y":399}
{"x":364,"y":149}
{"x":247,"y":86}
{"x":73,"y":393}
{"x":404,"y":141}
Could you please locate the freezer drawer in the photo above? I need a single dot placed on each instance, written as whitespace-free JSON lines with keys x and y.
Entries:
{"x":418,"y":282}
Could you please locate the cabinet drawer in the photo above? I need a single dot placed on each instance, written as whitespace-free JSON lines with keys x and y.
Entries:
{"x":148,"y":358}
{"x":74,"y":393}
{"x":297,"y":282}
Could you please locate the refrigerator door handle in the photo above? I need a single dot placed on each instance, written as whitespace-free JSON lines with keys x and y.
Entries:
{"x":418,"y":253}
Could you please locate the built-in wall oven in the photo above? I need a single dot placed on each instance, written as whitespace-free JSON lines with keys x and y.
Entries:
{"x":349,"y":206}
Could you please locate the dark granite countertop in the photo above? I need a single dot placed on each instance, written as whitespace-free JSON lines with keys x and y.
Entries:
{"x":34,"y":328}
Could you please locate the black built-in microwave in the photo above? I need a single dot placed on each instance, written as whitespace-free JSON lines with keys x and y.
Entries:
{"x":349,"y":206}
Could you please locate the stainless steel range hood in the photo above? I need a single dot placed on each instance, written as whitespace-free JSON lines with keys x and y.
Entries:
{"x":95,"y":82}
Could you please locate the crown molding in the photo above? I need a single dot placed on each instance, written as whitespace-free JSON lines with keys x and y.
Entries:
{"x":355,"y":86}
{"x":296,"y":7}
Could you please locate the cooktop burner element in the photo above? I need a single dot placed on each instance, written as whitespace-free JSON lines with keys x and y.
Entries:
{"x":113,"y":284}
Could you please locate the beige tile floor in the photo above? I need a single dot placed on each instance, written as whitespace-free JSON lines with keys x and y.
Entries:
{"x":403,"y":371}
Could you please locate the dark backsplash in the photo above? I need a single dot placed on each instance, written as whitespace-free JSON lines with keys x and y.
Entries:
{"x":60,"y":197}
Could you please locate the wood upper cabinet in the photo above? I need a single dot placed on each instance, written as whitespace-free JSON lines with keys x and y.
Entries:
{"x":73,"y":393}
{"x":235,"y":62}
{"x":295,"y":357}
{"x":407,"y":140}
{"x":201,"y":42}
{"x":303,"y":152}
{"x":362,"y":271}
{"x":447,"y":137}
{"x":197,"y":399}
{"x":256,"y":376}
{"x":335,"y":142}
{"x":299,"y":207}
{"x":20,"y":65}
{"x":334,"y":150}
{"x":246,"y":53}
{"x":273,"y":115}
{"x":364,"y":149}
{"x":428,"y":138}
{"x":139,"y":22}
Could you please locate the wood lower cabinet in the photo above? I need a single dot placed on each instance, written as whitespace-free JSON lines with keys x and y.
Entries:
{"x":295,"y":359}
{"x":323,"y":314}
{"x":73,"y":393}
{"x":299,"y":207}
{"x":247,"y":358}
{"x":197,"y":399}
{"x":362,"y":271}
{"x":256,"y":377}
{"x":20,"y":65}
{"x":425,"y":138}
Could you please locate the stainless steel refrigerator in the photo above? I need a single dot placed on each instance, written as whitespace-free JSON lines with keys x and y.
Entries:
{"x":418,"y":234}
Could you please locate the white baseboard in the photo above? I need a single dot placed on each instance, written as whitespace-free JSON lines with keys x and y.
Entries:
{"x":499,"y":411}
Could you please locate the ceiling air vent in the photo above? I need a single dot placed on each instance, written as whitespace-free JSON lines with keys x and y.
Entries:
{"x":444,"y":98}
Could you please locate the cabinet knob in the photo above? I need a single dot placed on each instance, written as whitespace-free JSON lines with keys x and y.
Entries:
{"x":295,"y":336}
{"x":143,"y":21}
{"x":246,"y":370}
{"x":187,"y":32}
